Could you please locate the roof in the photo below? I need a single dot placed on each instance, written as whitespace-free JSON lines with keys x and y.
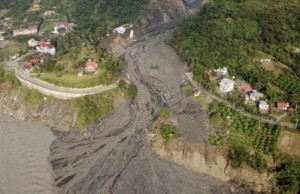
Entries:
{"x":91,"y":64}
{"x":263,"y":103}
{"x":45,"y":44}
{"x":244,"y":87}
{"x":257,"y":94}
{"x":282,"y":104}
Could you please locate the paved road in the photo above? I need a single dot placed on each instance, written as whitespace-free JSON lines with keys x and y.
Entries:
{"x":272,"y":121}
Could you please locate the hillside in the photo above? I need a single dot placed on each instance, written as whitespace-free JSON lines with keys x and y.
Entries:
{"x":238,"y":33}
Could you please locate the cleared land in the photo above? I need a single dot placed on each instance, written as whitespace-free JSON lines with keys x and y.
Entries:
{"x":289,"y":143}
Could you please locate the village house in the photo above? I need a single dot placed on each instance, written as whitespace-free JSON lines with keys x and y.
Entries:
{"x":35,"y":7}
{"x":282,"y":105}
{"x":90,"y":67}
{"x":244,"y":87}
{"x":197,"y":92}
{"x":1,"y":37}
{"x":63,"y":27}
{"x":266,"y":60}
{"x":263,"y":107}
{"x":32,"y":62}
{"x":212,"y":78}
{"x":49,"y":13}
{"x":253,"y":96}
{"x":222,"y":71}
{"x":45,"y":47}
{"x":32,"y":43}
{"x":122,"y":29}
{"x":25,"y":31}
{"x":226,"y":85}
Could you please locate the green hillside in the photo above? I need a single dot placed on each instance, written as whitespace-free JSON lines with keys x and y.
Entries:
{"x":237,"y":34}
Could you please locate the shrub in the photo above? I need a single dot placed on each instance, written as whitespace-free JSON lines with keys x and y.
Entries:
{"x":168,"y":131}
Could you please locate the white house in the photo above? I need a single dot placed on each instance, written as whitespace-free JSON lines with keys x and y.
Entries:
{"x":32,"y":42}
{"x":267,"y":60}
{"x":63,"y":26}
{"x":254,"y":96}
{"x":122,"y":29}
{"x":263,"y":107}
{"x":45,"y":47}
{"x":226,"y":85}
{"x":25,"y":31}
{"x":1,"y":37}
{"x":222,"y":71}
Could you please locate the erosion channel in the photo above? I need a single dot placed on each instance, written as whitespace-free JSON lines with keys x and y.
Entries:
{"x":116,"y":158}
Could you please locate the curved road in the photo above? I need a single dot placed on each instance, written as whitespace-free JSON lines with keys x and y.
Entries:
{"x":52,"y":90}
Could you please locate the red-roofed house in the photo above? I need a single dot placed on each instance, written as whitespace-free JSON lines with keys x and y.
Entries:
{"x":45,"y":47}
{"x":245,"y":87}
{"x":282,"y":105}
{"x":90,"y":67}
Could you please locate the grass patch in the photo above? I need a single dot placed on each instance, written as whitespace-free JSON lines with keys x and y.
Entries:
{"x":90,"y":109}
{"x":74,"y":81}
{"x":188,"y":90}
{"x":33,"y":97}
{"x":203,"y":101}
{"x":169,"y":131}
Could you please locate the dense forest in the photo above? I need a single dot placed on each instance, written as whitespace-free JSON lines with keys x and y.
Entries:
{"x":237,"y":34}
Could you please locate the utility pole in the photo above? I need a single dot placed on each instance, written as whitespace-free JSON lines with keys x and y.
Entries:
{"x":296,"y":123}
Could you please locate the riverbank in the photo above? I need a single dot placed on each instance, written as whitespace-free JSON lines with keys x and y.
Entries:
{"x":24,"y":151}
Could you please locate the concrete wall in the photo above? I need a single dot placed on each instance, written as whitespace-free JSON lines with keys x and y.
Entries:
{"x":60,"y":92}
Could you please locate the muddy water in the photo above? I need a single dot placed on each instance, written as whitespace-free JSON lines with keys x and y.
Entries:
{"x":24,"y":151}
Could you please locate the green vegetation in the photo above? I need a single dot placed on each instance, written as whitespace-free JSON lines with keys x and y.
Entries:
{"x":33,"y":97}
{"x":288,"y":177}
{"x":257,"y":136}
{"x":215,"y":140}
{"x":239,"y":154}
{"x":8,"y":77}
{"x":188,"y":90}
{"x":165,"y":112}
{"x":90,"y":109}
{"x":169,"y":131}
{"x":237,"y":34}
{"x":73,"y":81}
{"x":102,"y":15}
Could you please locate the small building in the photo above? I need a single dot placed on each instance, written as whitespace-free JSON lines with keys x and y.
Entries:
{"x":222,"y":71}
{"x":263,"y":107}
{"x":35,"y":7}
{"x":49,"y":13}
{"x":25,"y":31}
{"x":45,"y":47}
{"x":197,"y":92}
{"x":32,"y":43}
{"x":254,"y":96}
{"x":244,"y":87}
{"x":90,"y":67}
{"x":266,"y":60}
{"x":63,"y":27}
{"x":122,"y":29}
{"x":1,"y":37}
{"x":282,"y":105}
{"x":226,"y":85}
{"x":212,"y":78}
{"x":32,"y":62}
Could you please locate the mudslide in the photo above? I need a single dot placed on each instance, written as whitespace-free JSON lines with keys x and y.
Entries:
{"x":24,"y":151}
{"x":117,"y":158}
